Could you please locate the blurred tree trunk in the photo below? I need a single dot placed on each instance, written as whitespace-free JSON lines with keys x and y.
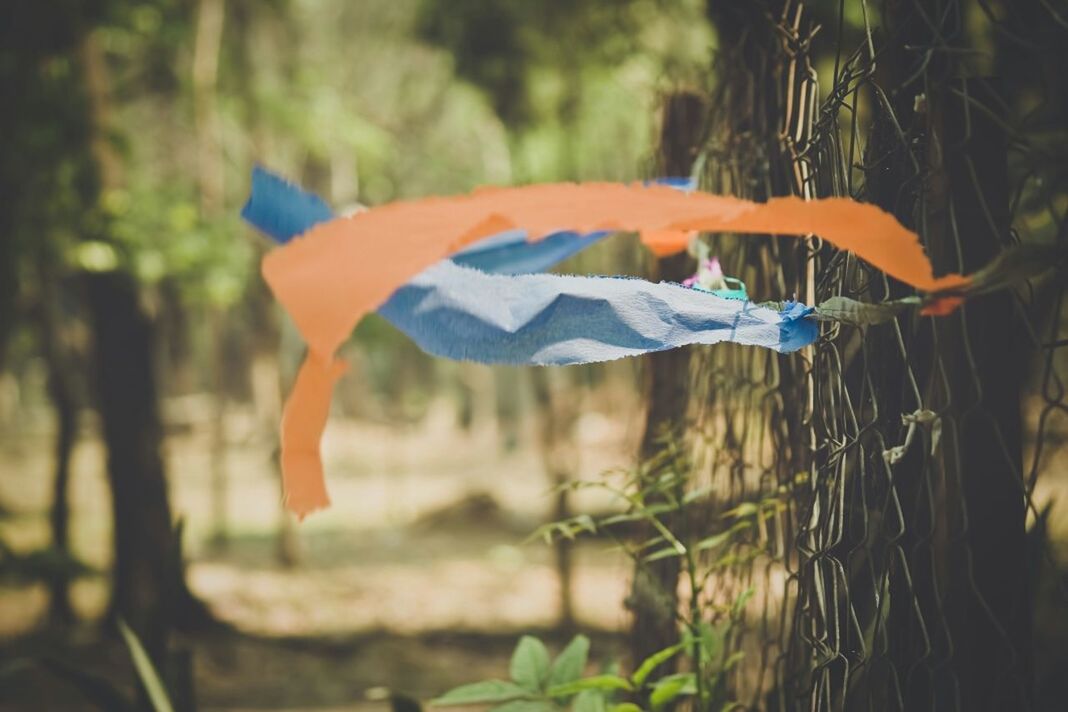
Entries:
{"x":61,"y":390}
{"x":507,"y":407}
{"x":654,"y":596}
{"x":894,"y":166}
{"x":555,"y":405}
{"x":267,"y":398}
{"x":267,"y":380}
{"x":210,"y":186}
{"x":983,"y":348}
{"x":149,"y":590}
{"x":220,"y":494}
{"x":9,"y":283}
{"x":129,"y":412}
{"x":126,"y":394}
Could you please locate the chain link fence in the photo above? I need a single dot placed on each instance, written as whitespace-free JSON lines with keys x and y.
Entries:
{"x":908,"y":566}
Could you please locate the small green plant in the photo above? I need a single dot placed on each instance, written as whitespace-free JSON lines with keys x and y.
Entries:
{"x":539,"y":684}
{"x":663,"y":516}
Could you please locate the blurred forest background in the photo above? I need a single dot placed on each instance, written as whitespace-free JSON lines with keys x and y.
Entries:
{"x":143,"y":361}
{"x":130,"y":285}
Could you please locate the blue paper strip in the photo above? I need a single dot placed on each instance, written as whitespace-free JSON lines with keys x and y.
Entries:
{"x":521,"y":257}
{"x":283,"y":210}
{"x":487,"y":305}
{"x":544,"y":319}
{"x":280,"y":209}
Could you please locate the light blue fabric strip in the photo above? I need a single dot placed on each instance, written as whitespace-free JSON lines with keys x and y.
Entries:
{"x":544,"y":319}
{"x":487,"y":305}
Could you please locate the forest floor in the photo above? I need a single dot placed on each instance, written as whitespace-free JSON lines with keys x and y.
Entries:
{"x":420,"y":577}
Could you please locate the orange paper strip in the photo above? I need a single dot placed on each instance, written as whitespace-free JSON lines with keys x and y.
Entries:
{"x":303,"y":422}
{"x":339,"y":271}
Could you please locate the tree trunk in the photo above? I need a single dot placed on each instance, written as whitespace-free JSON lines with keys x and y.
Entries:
{"x":268,"y":387}
{"x":507,"y":408}
{"x":220,"y":490}
{"x":884,"y":585}
{"x":149,"y":589}
{"x":144,"y":577}
{"x":654,"y":598}
{"x":210,"y":186}
{"x":982,"y":349}
{"x":61,"y":390}
{"x":267,"y":397}
{"x":556,"y":415}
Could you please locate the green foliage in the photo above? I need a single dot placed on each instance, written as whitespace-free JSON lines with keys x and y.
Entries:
{"x":486,"y":692}
{"x":659,"y":496}
{"x":569,"y":79}
{"x":530,"y":664}
{"x":571,"y":662}
{"x":538,"y":685}
{"x":146,"y":671}
{"x":856,"y":313}
{"x":362,"y":102}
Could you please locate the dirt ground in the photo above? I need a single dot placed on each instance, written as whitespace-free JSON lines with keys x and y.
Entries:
{"x":420,"y":577}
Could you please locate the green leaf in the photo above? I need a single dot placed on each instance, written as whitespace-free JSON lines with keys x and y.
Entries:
{"x":571,"y":661}
{"x":625,"y":707}
{"x":670,"y":688}
{"x":739,"y":603}
{"x":649,"y":543}
{"x":525,"y":706}
{"x":567,"y":529}
{"x":146,"y":672}
{"x":589,"y":701}
{"x":711,"y":642}
{"x":530,"y":664}
{"x":715,"y":541}
{"x":733,"y":659}
{"x":850,"y":311}
{"x":745,"y":509}
{"x":652,"y":662}
{"x":665,"y":553}
{"x":597,"y":682}
{"x":721,"y":538}
{"x":697,"y":494}
{"x":479,"y":693}
{"x":638,"y":514}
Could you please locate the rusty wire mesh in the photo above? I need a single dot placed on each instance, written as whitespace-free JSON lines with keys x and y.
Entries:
{"x":898,"y":575}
